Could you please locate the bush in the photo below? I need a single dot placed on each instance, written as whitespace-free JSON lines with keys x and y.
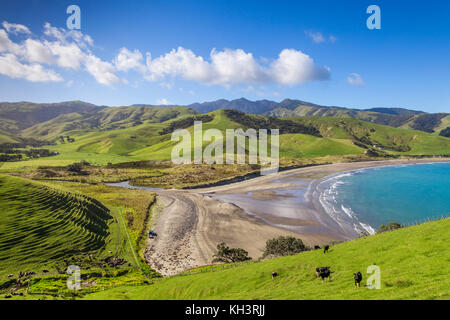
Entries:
{"x":445,"y":132}
{"x":283,"y":246}
{"x":230,"y":255}
{"x":389,"y":227}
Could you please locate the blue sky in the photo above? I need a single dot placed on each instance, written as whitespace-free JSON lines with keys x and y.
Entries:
{"x":208,"y":50}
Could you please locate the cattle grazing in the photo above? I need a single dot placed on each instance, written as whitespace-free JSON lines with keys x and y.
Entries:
{"x":325,"y":248}
{"x":274,"y":274}
{"x":323,"y":272}
{"x":316,"y":247}
{"x":358,"y":278}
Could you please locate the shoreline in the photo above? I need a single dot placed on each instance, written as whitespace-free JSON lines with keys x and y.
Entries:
{"x":192,"y":222}
{"x":241,"y":194}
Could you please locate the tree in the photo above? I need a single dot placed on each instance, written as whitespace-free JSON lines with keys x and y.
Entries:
{"x":283,"y":246}
{"x":389,"y":227}
{"x":230,"y":255}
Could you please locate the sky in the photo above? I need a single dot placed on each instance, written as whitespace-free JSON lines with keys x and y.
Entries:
{"x":180,"y":52}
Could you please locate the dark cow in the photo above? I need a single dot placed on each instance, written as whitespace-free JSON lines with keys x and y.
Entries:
{"x":323,"y":272}
{"x":274,"y":274}
{"x":325,"y":248}
{"x":358,"y":278}
{"x":316,"y":247}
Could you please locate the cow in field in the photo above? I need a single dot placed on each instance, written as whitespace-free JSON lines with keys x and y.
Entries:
{"x":358,"y":278}
{"x":323,"y":272}
{"x":325,"y":249}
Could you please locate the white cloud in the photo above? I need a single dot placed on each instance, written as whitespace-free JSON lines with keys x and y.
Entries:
{"x":67,"y":55}
{"x":7,"y":45}
{"x":102,"y":71}
{"x":127,"y":60}
{"x":230,"y":67}
{"x":163,"y":102}
{"x":71,"y":49}
{"x":294,"y":67}
{"x":66,"y":36}
{"x":15,"y":28}
{"x":36,"y":51}
{"x":317,"y":37}
{"x":355,"y":80}
{"x":62,"y":48}
{"x":180,"y":62}
{"x":11,"y":67}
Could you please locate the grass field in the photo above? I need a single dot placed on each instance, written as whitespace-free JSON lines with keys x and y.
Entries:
{"x":414,"y":264}
{"x":48,"y":226}
{"x":41,"y":226}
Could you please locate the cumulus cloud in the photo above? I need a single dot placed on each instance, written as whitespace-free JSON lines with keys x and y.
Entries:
{"x":127,"y":60}
{"x":12,"y":67}
{"x":102,"y":71}
{"x":355,"y":80}
{"x":15,"y":28}
{"x":294,"y":67}
{"x":230,"y":67}
{"x":62,"y":48}
{"x":71,"y":49}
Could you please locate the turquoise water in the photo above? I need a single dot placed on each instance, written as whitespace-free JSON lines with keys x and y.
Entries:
{"x":404,"y":194}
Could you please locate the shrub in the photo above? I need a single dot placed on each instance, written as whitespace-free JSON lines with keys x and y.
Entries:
{"x":230,"y":255}
{"x":389,"y":227}
{"x":283,"y":246}
{"x":445,"y":132}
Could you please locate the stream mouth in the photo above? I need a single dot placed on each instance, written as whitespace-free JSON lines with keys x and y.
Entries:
{"x":127,"y":185}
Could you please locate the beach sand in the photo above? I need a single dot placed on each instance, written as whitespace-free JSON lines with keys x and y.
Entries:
{"x":245,"y":215}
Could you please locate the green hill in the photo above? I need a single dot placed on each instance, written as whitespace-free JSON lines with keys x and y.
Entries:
{"x":413,"y":261}
{"x":41,"y":226}
{"x":379,"y":138}
{"x":119,"y":140}
{"x":102,"y":120}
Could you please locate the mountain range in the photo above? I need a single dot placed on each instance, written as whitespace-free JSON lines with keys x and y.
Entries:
{"x":33,"y":119}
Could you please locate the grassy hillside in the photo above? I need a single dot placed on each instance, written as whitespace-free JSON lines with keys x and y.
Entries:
{"x":386,"y":139}
{"x":414,"y":264}
{"x":21,"y":115}
{"x":41,"y":226}
{"x":6,"y":137}
{"x":102,"y":120}
{"x":301,"y":138}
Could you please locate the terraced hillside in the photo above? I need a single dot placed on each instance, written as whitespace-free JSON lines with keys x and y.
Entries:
{"x":41,"y":225}
{"x":413,"y":262}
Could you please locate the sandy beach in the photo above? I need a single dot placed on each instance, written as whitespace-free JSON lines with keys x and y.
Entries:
{"x":246,"y":214}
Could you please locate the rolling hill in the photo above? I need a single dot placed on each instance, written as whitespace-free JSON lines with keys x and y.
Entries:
{"x":300,"y":137}
{"x":46,"y":121}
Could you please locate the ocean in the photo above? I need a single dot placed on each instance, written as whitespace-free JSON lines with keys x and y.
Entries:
{"x":366,"y":198}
